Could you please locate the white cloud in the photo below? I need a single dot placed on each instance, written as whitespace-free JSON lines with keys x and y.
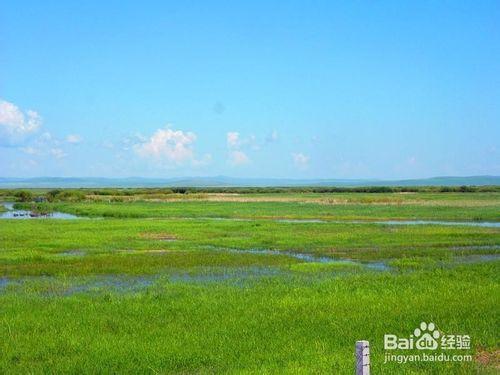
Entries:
{"x":167,"y":145}
{"x":74,"y":138}
{"x":16,"y":125}
{"x":233,"y":139}
{"x":237,"y":158}
{"x":58,"y":153}
{"x":30,"y":150}
{"x":19,"y":129}
{"x":235,"y":144}
{"x":300,"y":160}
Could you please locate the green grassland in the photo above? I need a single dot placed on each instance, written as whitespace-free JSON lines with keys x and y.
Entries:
{"x":163,"y":285}
{"x":483,"y":210}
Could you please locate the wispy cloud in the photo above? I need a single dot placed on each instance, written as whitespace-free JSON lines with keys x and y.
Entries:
{"x":204,"y":161}
{"x":300,"y":160}
{"x":58,"y":153}
{"x":233,"y":139}
{"x":237,"y":158}
{"x":74,"y":138}
{"x":45,"y":145}
{"x":30,"y":150}
{"x":108,"y":144}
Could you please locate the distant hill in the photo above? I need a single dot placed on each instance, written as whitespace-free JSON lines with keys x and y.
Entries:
{"x":220,"y":181}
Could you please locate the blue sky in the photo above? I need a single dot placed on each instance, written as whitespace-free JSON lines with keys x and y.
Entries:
{"x":297,"y":89}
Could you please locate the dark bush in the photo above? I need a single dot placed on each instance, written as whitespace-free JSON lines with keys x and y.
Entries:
{"x":24,"y":196}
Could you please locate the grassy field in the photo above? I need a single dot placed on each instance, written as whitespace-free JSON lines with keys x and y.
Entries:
{"x":219,"y":283}
{"x":453,"y":211}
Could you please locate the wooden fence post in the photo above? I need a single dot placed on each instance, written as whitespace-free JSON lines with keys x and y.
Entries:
{"x":362,"y":358}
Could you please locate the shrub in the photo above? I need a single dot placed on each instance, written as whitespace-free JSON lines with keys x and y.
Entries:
{"x":24,"y":196}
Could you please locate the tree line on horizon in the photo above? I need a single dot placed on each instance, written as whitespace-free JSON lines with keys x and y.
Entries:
{"x":80,"y":194}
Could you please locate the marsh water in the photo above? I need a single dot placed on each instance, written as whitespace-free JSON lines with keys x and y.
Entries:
{"x":13,"y":213}
{"x":487,"y":224}
{"x":312,"y":258}
{"x":121,"y":283}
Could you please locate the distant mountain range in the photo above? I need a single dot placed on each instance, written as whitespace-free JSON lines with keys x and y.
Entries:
{"x":221,"y":181}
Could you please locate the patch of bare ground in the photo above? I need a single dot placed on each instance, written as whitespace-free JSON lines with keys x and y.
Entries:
{"x":153,"y":251}
{"x":488,"y":359}
{"x":159,"y":236}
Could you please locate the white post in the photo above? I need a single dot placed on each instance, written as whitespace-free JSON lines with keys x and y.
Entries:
{"x":362,"y":358}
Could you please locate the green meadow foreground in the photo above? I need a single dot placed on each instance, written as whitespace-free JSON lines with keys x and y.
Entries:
{"x":247,"y":283}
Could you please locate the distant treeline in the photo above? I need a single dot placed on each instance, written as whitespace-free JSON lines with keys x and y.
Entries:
{"x":27,"y":195}
{"x":333,"y":189}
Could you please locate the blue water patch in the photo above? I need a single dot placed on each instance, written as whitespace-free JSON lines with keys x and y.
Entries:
{"x":476,"y":247}
{"x":72,"y":253}
{"x":486,"y":224}
{"x":224,"y":275}
{"x":116,"y":283}
{"x":60,"y":286}
{"x":307,"y":257}
{"x":13,"y":213}
{"x":4,"y":282}
{"x":481,"y":258}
